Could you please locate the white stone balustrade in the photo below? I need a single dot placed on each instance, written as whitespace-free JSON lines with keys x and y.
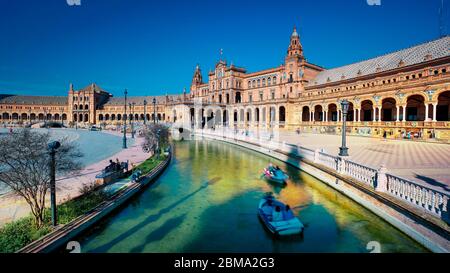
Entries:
{"x":429,"y":199}
{"x":360,"y":172}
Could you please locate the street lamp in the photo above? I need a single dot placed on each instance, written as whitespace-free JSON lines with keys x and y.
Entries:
{"x":145,"y":112}
{"x":343,"y":150}
{"x":124,"y":145}
{"x":52,"y":147}
{"x":154,"y":110}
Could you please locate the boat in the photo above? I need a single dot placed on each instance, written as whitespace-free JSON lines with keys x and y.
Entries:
{"x":286,"y":224}
{"x":275,"y":175}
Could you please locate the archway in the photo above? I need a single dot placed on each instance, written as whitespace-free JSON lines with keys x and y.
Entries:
{"x":24,"y":116}
{"x":318,"y":113}
{"x":415,"y":108}
{"x":86,"y":118}
{"x":305,"y":113}
{"x":332,"y":112}
{"x":388,"y":109}
{"x":282,"y":114}
{"x":443,"y":108}
{"x":75,"y":117}
{"x":225,"y":117}
{"x":366,"y":110}
{"x":257,"y":115}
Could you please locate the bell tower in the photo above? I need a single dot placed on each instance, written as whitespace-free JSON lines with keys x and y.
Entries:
{"x":295,"y":49}
{"x":197,"y":79}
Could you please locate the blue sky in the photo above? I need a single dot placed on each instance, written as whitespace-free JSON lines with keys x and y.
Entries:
{"x":152,"y":47}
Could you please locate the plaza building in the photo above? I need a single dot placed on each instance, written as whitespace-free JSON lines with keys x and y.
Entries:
{"x":402,"y":93}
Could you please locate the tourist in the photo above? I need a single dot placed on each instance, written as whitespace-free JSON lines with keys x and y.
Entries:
{"x":118,"y":164}
{"x":384,"y":135}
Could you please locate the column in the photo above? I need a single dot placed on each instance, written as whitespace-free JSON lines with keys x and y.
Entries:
{"x":301,"y":117}
{"x":404,"y":113}
{"x":397,"y":113}
{"x":374,"y":110}
{"x":379,"y":113}
{"x":359,"y":115}
{"x":434,"y":111}
{"x":427,"y":105}
{"x":354,"y":115}
{"x":311,"y":115}
{"x":325,"y":117}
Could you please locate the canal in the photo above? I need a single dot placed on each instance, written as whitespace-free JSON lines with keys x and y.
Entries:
{"x":206,"y":201}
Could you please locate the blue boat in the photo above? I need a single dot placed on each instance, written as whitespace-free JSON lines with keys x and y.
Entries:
{"x":275,"y":175}
{"x":282,"y":222}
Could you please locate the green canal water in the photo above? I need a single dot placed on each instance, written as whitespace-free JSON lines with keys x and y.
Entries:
{"x":206,"y":201}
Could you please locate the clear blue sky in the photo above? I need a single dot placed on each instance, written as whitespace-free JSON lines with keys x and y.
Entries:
{"x":152,"y":47}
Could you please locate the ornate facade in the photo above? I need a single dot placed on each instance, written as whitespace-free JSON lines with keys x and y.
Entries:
{"x":403,"y":92}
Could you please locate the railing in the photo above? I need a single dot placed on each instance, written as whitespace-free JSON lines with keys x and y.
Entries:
{"x":328,"y":160}
{"x":360,"y":172}
{"x":431,"y":200}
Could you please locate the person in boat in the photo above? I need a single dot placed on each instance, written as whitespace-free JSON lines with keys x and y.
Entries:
{"x":277,"y":215}
{"x":111,"y":167}
{"x":118,"y":165}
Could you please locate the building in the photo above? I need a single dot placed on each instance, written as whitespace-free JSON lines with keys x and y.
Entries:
{"x":403,"y":92}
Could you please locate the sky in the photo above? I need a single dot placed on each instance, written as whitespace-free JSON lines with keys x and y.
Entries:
{"x":152,"y":47}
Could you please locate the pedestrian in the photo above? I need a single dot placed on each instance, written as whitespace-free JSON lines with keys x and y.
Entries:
{"x":384,"y":135}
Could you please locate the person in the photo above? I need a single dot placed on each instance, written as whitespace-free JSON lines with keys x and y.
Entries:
{"x":277,"y":214}
{"x":111,"y":166}
{"x":298,"y":131}
{"x":117,"y":164}
{"x":384,"y":135}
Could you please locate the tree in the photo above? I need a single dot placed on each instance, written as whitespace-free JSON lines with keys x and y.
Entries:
{"x":151,"y":137}
{"x":25,"y":166}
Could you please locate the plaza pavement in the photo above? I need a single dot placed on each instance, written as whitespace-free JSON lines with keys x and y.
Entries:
{"x":425,"y":163}
{"x":13,"y":207}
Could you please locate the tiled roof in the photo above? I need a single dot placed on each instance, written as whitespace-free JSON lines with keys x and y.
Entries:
{"x":413,"y":55}
{"x":38,"y":100}
{"x":93,"y":87}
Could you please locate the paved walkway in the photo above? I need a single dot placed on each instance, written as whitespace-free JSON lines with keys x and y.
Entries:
{"x":426,"y":163}
{"x":13,"y":207}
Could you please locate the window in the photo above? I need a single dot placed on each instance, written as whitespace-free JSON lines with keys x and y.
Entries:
{"x":260,"y":96}
{"x":273,"y":95}
{"x":250,"y":98}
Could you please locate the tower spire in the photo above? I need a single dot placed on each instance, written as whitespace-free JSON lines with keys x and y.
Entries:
{"x":295,"y":47}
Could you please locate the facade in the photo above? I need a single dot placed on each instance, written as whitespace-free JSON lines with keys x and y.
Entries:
{"x":402,"y":93}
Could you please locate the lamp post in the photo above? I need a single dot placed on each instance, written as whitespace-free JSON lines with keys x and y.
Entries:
{"x":52,"y":147}
{"x":145,"y":112}
{"x":154,"y":110}
{"x":343,"y":150}
{"x":124,"y":145}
